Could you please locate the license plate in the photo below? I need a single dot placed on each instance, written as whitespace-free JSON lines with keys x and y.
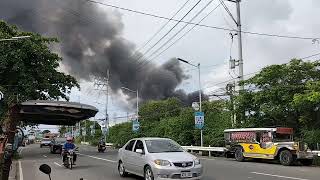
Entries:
{"x":186,"y":174}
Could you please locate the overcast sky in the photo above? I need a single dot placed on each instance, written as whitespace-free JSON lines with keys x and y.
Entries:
{"x":209,"y":46}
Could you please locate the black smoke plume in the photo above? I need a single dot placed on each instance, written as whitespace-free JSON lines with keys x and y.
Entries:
{"x":92,"y":42}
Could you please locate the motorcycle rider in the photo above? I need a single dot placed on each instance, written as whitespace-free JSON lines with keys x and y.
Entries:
{"x":66,"y":147}
{"x":101,"y":143}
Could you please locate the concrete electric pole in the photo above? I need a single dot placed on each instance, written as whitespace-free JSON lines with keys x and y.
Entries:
{"x":239,"y":34}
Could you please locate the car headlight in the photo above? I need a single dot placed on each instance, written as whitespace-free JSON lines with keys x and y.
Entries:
{"x":161,"y":162}
{"x":197,"y":161}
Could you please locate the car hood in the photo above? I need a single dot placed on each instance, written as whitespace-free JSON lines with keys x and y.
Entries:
{"x":173,"y":156}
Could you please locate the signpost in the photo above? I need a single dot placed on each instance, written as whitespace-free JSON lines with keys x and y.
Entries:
{"x":84,"y":133}
{"x":199,"y":120}
{"x":104,"y":130}
{"x":196,"y":106}
{"x":135,"y":125}
{"x":92,"y":130}
{"x":1,"y":95}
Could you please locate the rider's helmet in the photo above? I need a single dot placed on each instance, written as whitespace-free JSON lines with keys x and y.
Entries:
{"x":69,"y":139}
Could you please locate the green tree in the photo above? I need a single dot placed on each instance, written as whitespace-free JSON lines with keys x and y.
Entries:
{"x":277,"y":95}
{"x":176,"y":123}
{"x":155,"y":110}
{"x":28,"y":69}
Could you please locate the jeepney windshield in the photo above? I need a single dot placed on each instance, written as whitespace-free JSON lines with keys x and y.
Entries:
{"x":282,"y":137}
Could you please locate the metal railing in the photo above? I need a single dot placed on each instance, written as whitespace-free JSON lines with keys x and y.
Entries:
{"x":208,"y":149}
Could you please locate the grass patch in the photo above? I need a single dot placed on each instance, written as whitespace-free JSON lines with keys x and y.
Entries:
{"x":316,"y":161}
{"x":17,"y":156}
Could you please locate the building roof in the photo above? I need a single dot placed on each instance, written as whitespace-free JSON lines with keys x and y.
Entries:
{"x":55,"y":112}
{"x":250,"y":129}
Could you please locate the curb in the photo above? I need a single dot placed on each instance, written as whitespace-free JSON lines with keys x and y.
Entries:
{"x":14,"y":171}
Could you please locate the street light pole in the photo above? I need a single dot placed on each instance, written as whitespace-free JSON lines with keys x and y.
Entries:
{"x":137,"y":105}
{"x":200,"y":101}
{"x":137,"y":92}
{"x":200,"y":93}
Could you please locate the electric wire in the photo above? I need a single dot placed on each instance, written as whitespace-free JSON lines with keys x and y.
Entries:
{"x":165,"y":35}
{"x":203,"y":25}
{"x":161,"y":28}
{"x":187,"y":32}
{"x":178,"y":32}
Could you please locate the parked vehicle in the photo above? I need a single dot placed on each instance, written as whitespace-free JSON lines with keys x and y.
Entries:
{"x":267,"y":143}
{"x":45,"y":142}
{"x":56,"y":145}
{"x":158,"y":158}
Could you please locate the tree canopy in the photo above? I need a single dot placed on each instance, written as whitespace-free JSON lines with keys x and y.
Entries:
{"x":29,"y":68}
{"x":282,"y":95}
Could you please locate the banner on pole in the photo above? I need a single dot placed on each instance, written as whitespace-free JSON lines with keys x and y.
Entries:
{"x":199,"y":120}
{"x":135,"y":125}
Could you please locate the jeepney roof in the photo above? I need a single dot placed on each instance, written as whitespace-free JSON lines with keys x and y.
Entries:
{"x":250,"y":129}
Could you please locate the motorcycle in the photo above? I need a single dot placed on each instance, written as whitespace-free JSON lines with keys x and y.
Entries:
{"x":69,"y":161}
{"x":102,"y":147}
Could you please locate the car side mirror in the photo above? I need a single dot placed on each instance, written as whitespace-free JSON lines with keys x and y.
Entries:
{"x":139,"y":151}
{"x":45,"y":169}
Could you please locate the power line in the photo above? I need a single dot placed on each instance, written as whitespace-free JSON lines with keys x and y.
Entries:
{"x":248,"y":74}
{"x":161,"y":28}
{"x":168,"y":31}
{"x":172,"y":37}
{"x":184,"y":34}
{"x":202,"y":25}
{"x":228,"y":11}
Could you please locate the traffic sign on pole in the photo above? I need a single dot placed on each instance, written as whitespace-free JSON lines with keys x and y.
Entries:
{"x":196,"y":106}
{"x":135,"y":125}
{"x":199,"y":120}
{"x":1,"y":95}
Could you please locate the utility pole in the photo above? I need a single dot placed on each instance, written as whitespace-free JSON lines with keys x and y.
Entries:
{"x":239,"y":34}
{"x":107,"y":101}
{"x":105,"y":82}
{"x":240,"y":57}
{"x":239,"y":43}
{"x":200,"y":102}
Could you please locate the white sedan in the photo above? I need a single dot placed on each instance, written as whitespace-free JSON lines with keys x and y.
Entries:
{"x":158,"y":159}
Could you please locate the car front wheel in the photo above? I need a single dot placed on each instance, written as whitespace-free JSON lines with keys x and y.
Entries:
{"x":286,"y":158}
{"x":239,"y":154}
{"x":148,"y":174}
{"x":122,"y":170}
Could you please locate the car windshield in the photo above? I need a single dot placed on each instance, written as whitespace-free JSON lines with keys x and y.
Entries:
{"x":282,"y":137}
{"x":162,"y":145}
{"x":45,"y":139}
{"x":60,"y":140}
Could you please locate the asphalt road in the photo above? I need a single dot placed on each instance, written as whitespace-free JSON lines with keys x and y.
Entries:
{"x":92,"y":165}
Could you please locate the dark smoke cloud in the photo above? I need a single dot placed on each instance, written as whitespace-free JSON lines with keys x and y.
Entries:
{"x":92,"y":42}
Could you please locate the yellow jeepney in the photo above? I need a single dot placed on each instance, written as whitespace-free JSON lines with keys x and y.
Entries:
{"x":267,"y":143}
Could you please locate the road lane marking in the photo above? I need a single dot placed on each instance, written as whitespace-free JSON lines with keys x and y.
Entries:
{"x":273,"y":175}
{"x":108,"y":160}
{"x":57,"y":164}
{"x":20,"y":171}
{"x":209,"y":159}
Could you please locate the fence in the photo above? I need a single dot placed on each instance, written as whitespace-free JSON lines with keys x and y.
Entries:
{"x":209,"y":149}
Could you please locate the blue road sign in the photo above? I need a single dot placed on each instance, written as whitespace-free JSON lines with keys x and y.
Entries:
{"x":199,"y":120}
{"x":135,"y":125}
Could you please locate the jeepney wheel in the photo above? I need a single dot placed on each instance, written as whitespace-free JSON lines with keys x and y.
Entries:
{"x":238,"y":154}
{"x":306,"y":162}
{"x":286,"y":158}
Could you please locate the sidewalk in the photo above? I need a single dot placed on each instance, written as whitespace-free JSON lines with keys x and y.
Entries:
{"x":14,"y":171}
